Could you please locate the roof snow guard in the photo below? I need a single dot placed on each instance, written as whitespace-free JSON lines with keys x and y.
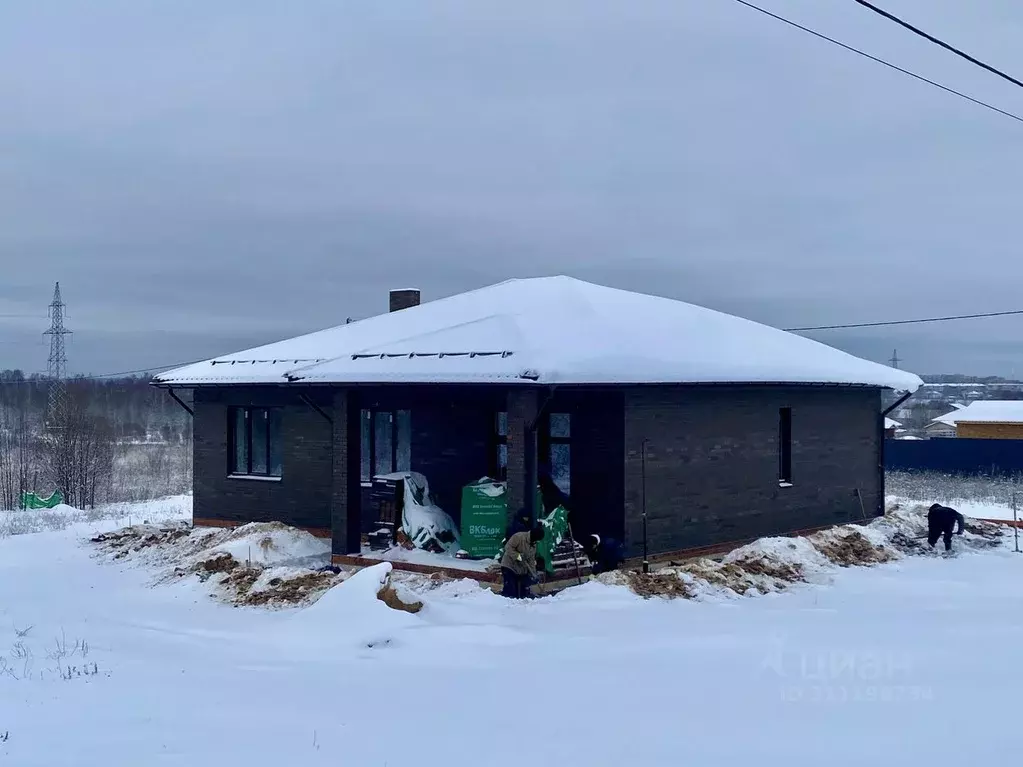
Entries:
{"x":548,"y":330}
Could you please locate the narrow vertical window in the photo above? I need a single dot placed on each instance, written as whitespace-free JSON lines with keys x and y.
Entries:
{"x":240,"y":438}
{"x":560,"y":451}
{"x":366,"y":446}
{"x":258,"y":444}
{"x":403,"y":441}
{"x":785,"y":446}
{"x":275,"y":442}
{"x":383,"y":442}
{"x":499,"y":460}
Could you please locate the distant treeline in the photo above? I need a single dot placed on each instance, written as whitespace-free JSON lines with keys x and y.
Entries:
{"x":129,"y":408}
{"x":959,"y":378}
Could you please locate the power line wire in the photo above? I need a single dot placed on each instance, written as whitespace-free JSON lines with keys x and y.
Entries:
{"x":118,"y":374}
{"x":881,"y":61}
{"x":884,"y":323}
{"x":938,"y":41}
{"x":906,"y":322}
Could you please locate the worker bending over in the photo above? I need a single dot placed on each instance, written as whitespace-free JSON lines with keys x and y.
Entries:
{"x":940,"y":522}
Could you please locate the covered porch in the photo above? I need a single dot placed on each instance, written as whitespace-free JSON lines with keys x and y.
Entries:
{"x":454,"y":435}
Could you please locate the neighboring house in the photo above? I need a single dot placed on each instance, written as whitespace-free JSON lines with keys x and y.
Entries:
{"x":722,"y":430}
{"x":985,"y":419}
{"x":891,"y":426}
{"x":942,"y":426}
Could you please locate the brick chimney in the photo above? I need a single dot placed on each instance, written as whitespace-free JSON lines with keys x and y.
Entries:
{"x":403,"y":299}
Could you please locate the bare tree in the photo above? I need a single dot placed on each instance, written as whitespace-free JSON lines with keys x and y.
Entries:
{"x":79,"y":453}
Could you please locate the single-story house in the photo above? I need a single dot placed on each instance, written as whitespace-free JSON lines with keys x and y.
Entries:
{"x":891,"y":427}
{"x":983,"y":419}
{"x":719,"y":429}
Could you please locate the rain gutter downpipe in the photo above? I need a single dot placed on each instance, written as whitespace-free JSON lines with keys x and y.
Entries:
{"x":176,"y":398}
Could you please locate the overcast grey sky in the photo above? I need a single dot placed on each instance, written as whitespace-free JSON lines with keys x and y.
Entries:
{"x":205,"y":176}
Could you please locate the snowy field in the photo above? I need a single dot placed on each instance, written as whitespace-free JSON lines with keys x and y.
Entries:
{"x":911,"y":662}
{"x":979,"y":497}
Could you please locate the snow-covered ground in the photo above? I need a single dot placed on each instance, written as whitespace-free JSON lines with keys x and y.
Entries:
{"x":906,"y":663}
{"x":21,"y":521}
{"x":968,"y":508}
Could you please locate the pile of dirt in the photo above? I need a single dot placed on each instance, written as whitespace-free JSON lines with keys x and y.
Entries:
{"x":263,"y":563}
{"x":727,"y":575}
{"x":663,"y":583}
{"x":301,"y":589}
{"x":849,"y":547}
{"x":773,"y":564}
{"x":221,"y":563}
{"x":131,"y":540}
{"x":390,"y":597}
{"x":786,"y":572}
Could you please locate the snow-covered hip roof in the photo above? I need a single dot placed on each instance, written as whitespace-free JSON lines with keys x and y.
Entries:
{"x":547,"y":330}
{"x":985,"y":411}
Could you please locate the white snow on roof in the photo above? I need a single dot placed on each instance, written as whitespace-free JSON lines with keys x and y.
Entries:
{"x":985,"y":411}
{"x":891,"y":423}
{"x":547,"y":330}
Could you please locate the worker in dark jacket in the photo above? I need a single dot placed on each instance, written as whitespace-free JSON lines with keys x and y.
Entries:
{"x":605,"y":554}
{"x":940,"y":522}
{"x":518,"y":563}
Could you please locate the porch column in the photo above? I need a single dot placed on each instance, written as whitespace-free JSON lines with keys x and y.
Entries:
{"x":522,"y":407}
{"x":346,"y":492}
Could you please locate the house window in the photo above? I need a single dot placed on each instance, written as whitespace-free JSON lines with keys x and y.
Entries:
{"x":256,"y":441}
{"x":499,"y":454}
{"x":386,"y":442}
{"x":559,"y":450}
{"x":785,"y":446}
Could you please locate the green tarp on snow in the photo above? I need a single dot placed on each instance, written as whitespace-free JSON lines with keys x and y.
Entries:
{"x":556,"y":530}
{"x":33,"y":501}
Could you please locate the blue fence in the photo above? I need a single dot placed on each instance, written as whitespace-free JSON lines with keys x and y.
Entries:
{"x":954,"y":455}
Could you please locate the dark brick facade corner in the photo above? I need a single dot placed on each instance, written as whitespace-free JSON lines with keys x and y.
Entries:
{"x":302,"y":495}
{"x":712,"y":462}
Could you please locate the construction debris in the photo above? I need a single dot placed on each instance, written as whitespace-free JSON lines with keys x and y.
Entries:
{"x":774,"y":564}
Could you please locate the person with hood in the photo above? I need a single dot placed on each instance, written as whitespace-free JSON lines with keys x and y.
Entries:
{"x":940,"y":522}
{"x":605,"y":554}
{"x":518,"y":564}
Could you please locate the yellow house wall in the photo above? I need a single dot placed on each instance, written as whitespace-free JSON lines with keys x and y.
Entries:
{"x":990,"y":430}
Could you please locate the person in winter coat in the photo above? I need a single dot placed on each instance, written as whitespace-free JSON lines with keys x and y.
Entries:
{"x":605,"y":554}
{"x":940,"y":522}
{"x":518,"y":565}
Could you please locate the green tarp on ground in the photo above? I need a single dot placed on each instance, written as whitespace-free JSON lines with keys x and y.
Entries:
{"x":556,"y":530}
{"x":34,"y":501}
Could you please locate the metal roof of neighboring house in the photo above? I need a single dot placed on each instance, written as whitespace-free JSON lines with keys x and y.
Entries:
{"x":985,"y":411}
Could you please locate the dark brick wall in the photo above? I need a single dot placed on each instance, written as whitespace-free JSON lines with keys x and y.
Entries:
{"x":346,"y":494}
{"x":300,"y":498}
{"x":521,"y":404}
{"x":712,"y":462}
